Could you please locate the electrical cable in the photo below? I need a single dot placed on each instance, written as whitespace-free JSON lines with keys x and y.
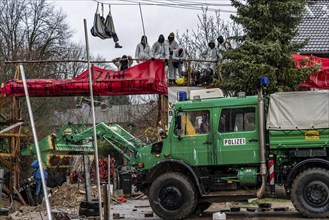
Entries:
{"x":193,"y":6}
{"x":190,"y":5}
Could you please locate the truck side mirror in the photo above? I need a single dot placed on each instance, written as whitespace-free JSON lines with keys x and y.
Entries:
{"x":178,"y":126}
{"x":179,"y":122}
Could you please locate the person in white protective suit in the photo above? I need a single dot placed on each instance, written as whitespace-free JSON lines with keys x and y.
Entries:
{"x":172,"y":45}
{"x":160,"y":49}
{"x":209,"y":68}
{"x":142,"y":51}
{"x":211,"y":54}
{"x":179,"y":55}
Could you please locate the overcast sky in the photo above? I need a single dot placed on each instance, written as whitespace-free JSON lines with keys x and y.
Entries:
{"x":127,"y":20}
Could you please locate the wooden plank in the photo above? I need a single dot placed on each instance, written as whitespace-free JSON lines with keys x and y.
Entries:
{"x":5,"y":162}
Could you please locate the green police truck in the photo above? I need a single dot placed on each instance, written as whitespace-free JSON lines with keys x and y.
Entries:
{"x":237,"y":148}
{"x":222,"y":149}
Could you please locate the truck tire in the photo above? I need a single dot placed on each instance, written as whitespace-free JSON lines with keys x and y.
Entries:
{"x":310,"y":193}
{"x":173,"y":196}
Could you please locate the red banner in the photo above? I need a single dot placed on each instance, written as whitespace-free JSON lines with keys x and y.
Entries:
{"x":145,"y":78}
{"x":318,"y":80}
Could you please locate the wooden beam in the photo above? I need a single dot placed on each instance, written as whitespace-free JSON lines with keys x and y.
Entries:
{"x":15,"y":135}
{"x":5,"y":162}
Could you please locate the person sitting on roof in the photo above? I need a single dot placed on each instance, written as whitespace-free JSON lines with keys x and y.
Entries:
{"x":123,"y":63}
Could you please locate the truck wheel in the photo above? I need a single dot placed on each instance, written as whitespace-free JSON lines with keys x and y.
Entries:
{"x":310,"y":193}
{"x":172,"y":196}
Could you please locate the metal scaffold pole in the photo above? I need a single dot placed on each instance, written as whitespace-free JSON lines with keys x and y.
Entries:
{"x":109,"y":187}
{"x":94,"y":123}
{"x":140,"y":10}
{"x":35,"y":137}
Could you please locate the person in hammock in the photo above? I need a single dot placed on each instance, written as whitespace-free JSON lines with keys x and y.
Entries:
{"x":104,"y":28}
{"x":110,"y":30}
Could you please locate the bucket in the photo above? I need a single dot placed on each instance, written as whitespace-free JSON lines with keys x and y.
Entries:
{"x":126,"y":182}
{"x":219,"y":216}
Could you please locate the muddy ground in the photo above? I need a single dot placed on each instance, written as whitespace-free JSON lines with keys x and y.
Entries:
{"x":65,"y":201}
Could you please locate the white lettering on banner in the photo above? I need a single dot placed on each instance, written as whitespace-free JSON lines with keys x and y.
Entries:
{"x":234,"y":141}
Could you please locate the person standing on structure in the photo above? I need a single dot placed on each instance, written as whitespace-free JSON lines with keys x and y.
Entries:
{"x":172,"y":45}
{"x":209,"y":67}
{"x":179,"y":55}
{"x":142,"y":52}
{"x":160,"y":49}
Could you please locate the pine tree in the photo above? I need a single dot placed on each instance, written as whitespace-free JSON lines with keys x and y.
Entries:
{"x":266,"y":46}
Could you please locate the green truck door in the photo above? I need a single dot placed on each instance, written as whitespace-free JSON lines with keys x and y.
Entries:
{"x":193,"y":143}
{"x":236,"y":137}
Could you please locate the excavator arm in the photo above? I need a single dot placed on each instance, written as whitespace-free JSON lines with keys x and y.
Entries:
{"x":76,"y":139}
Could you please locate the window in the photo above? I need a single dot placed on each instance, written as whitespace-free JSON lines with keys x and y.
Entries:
{"x":237,"y":119}
{"x":194,"y":122}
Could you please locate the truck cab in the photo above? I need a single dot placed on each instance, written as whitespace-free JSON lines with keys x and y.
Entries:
{"x":217,"y":131}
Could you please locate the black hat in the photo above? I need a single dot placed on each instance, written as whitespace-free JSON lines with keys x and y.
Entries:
{"x":220,"y":39}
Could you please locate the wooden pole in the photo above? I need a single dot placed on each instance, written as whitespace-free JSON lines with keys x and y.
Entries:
{"x":105,"y":199}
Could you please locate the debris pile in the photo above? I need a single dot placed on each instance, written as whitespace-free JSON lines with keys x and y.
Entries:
{"x":66,"y":196}
{"x":65,"y":200}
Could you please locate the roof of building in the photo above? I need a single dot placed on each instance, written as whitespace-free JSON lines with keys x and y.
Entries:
{"x":315,"y":26}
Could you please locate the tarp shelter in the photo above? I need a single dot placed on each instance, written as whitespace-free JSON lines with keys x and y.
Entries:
{"x":145,"y":78}
{"x":298,"y":110}
{"x":318,"y":80}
